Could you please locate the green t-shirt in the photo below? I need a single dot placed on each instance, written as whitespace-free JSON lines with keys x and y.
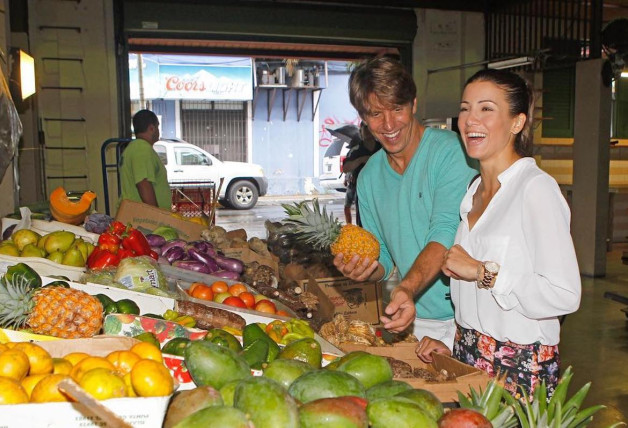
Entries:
{"x":139,"y":161}
{"x":406,"y":212}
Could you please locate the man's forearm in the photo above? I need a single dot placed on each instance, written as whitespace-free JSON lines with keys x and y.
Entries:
{"x":425,"y":268}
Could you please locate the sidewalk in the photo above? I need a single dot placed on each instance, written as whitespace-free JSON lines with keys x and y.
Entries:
{"x":287,"y":199}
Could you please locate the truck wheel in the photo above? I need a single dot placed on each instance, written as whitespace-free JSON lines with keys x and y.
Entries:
{"x":243,"y":195}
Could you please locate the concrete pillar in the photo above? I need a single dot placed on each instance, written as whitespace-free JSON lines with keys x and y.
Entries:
{"x":591,"y":157}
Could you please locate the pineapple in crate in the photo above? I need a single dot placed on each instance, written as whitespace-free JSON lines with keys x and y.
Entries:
{"x":324,"y":232}
{"x":50,"y":310}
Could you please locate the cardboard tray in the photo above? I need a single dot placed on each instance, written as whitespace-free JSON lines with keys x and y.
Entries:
{"x":466,"y":376}
{"x":137,"y":411}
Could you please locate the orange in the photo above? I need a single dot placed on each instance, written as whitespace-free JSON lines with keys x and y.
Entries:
{"x":75,"y":357}
{"x":88,"y":364}
{"x":3,"y":347}
{"x":12,"y":392}
{"x":219,"y":287}
{"x":29,"y":382}
{"x":123,"y":361}
{"x":14,"y":364}
{"x":103,"y":384}
{"x":147,"y":351}
{"x":61,"y":366}
{"x":237,"y":288}
{"x":39,"y":359}
{"x":248,"y":299}
{"x":151,"y":379}
{"x":47,"y":389}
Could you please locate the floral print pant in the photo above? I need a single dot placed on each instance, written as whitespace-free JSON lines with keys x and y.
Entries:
{"x":522,"y":366}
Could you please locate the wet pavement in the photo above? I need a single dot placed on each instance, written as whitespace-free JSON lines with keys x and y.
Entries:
{"x":269,"y":208}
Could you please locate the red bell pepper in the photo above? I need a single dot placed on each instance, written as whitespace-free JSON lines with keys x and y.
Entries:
{"x":100,"y":259}
{"x":135,"y":240}
{"x":109,"y":241}
{"x":125,"y":252}
{"x":117,"y":228}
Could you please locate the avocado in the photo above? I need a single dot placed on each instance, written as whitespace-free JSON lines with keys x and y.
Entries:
{"x":253,"y":332}
{"x":256,"y":353}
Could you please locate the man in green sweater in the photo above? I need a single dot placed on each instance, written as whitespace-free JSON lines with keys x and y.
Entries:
{"x":409,"y":197}
{"x":143,"y":176}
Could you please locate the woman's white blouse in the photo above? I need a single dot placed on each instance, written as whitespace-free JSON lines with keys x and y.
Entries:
{"x":525,"y":228}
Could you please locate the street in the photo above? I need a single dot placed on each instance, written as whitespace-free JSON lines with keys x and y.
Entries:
{"x":269,"y":207}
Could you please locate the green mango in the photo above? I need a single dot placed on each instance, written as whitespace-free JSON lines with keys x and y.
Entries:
{"x":367,"y":368}
{"x":55,"y":256}
{"x":73,"y":257}
{"x":397,"y":412}
{"x":187,"y":402}
{"x":426,"y":401}
{"x":9,"y":249}
{"x":286,"y":371}
{"x":256,"y":353}
{"x":267,"y":403}
{"x":337,"y":412}
{"x":210,"y":364}
{"x":221,"y":337}
{"x":21,"y":238}
{"x":228,"y":391}
{"x":325,"y":383}
{"x":22,"y":273}
{"x":253,"y":332}
{"x":307,"y":350}
{"x":59,"y":240}
{"x":387,"y":389}
{"x":31,"y":250}
{"x":215,"y":417}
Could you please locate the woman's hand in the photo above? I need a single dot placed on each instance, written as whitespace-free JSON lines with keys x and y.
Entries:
{"x":458,"y":264}
{"x":358,"y":269}
{"x":427,"y":345}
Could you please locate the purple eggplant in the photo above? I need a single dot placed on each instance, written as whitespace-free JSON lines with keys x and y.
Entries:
{"x":174,"y":253}
{"x":174,"y":243}
{"x":229,"y":263}
{"x":227,"y":274}
{"x":156,"y":249}
{"x":192,"y":265}
{"x":204,"y":258}
{"x":155,"y":240}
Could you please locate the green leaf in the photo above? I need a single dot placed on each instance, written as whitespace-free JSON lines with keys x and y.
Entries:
{"x":558,"y":416}
{"x":587,"y":413}
{"x":521,"y":415}
{"x":576,"y":400}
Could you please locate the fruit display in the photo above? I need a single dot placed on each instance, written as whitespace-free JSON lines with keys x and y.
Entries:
{"x":61,"y":246}
{"x":324,"y":232}
{"x":67,"y":211}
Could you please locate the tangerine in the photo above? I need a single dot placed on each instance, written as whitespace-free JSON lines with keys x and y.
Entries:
{"x":12,"y":392}
{"x":75,"y":357}
{"x":147,"y":351}
{"x":103,"y":384}
{"x":29,"y":382}
{"x":88,"y":364}
{"x":61,"y":366}
{"x":39,"y":359}
{"x":47,"y":389}
{"x":150,"y":378}
{"x":14,"y":364}
{"x":123,"y":361}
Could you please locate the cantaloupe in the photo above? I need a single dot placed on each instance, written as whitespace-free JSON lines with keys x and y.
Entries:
{"x":67,"y":211}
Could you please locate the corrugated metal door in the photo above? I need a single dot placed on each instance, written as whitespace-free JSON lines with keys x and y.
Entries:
{"x":218,"y":127}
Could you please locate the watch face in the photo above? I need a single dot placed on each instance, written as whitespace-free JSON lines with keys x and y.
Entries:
{"x":492,"y":267}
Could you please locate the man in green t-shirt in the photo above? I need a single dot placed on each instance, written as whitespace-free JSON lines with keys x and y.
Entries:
{"x":143,"y":176}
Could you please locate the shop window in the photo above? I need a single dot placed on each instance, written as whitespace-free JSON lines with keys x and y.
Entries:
{"x":559,"y":102}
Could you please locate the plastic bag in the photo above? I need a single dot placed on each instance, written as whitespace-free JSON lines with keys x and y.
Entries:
{"x":10,"y":127}
{"x":140,"y":274}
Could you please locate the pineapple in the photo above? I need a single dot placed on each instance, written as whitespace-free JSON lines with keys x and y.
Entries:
{"x":490,"y":403}
{"x":324,"y":232}
{"x":54,"y":311}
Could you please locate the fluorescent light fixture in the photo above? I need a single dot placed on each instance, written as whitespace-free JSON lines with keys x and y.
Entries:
{"x":624,"y":74}
{"x":27,"y":74}
{"x":509,"y":63}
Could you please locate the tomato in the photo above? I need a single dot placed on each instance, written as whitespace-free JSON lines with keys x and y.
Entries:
{"x":203,"y":292}
{"x":220,"y":287}
{"x":151,"y":379}
{"x":283,"y":313}
{"x":247,"y":298}
{"x":194,"y":285}
{"x":234,"y":301}
{"x":266,"y":306}
{"x":237,"y":288}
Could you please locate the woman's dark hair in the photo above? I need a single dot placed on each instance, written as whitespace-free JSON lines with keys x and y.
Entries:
{"x":520,"y":97}
{"x":383,"y":76}
{"x":143,"y":119}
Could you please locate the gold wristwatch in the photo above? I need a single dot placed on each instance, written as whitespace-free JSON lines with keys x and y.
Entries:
{"x":491,"y":269}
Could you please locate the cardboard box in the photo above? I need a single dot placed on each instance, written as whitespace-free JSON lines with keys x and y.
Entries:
{"x":148,"y":217}
{"x":138,"y":411}
{"x":355,"y":300}
{"x":466,"y":376}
